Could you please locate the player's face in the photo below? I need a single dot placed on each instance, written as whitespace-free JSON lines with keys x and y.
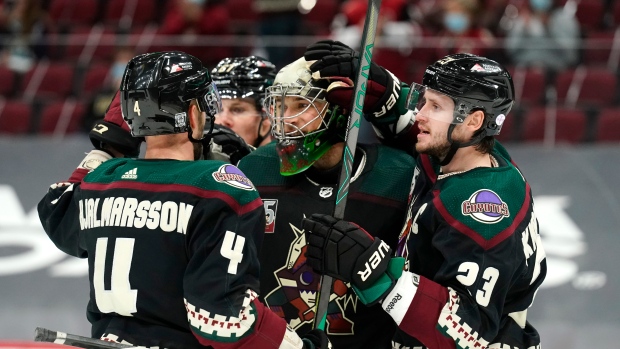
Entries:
{"x":241,"y":116}
{"x":300,"y":116}
{"x":434,"y":119}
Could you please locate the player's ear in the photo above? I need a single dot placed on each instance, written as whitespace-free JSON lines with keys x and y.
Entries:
{"x":475,"y":120}
{"x":196,"y":120}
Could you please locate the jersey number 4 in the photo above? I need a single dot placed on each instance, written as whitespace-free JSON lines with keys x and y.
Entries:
{"x":232,"y":248}
{"x":120,"y":299}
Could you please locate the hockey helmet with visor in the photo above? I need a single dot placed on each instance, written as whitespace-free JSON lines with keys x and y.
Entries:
{"x":157,"y":89}
{"x":472,"y":83}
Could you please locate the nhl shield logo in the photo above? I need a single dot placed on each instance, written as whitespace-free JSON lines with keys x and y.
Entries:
{"x":326,"y":192}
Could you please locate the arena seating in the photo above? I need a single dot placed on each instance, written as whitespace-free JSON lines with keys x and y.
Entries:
{"x":88,"y":33}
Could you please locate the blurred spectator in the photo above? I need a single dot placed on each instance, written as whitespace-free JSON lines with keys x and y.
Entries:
{"x":394,"y":27}
{"x":278,"y":18}
{"x":544,"y":34}
{"x":192,"y":19}
{"x":199,"y":17}
{"x":101,"y":100}
{"x":28,"y":23}
{"x":493,"y":12}
{"x":462,"y":29}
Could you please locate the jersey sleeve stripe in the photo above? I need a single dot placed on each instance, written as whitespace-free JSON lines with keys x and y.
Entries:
{"x":421,"y":320}
{"x":238,"y":208}
{"x":472,"y":234}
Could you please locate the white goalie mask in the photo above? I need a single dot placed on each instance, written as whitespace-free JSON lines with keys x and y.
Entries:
{"x":302,"y":120}
{"x":295,"y":82}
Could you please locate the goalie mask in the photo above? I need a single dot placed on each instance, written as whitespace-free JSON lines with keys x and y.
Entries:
{"x":157,"y":89}
{"x":473,"y":83}
{"x":304,"y":124}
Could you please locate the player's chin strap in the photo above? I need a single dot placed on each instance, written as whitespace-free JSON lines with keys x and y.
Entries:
{"x":454,"y":145}
{"x":205,"y":135}
{"x":260,"y":137}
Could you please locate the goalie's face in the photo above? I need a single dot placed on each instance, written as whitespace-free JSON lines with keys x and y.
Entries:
{"x":296,"y":116}
{"x":299,"y":121}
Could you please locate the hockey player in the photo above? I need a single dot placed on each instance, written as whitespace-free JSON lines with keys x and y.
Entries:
{"x":471,"y":250}
{"x":242,"y":82}
{"x":172,"y":244}
{"x":298,"y":175}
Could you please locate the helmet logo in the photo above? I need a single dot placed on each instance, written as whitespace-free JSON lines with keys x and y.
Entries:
{"x":487,"y":68}
{"x":477,"y":67}
{"x":180,"y":67}
{"x":446,"y":60}
{"x":304,"y":76}
{"x":500,"y":119}
{"x":179,"y":120}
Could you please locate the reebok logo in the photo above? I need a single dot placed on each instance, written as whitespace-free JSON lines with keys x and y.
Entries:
{"x":131,"y":174}
{"x":374,"y":261}
{"x":393,"y":302}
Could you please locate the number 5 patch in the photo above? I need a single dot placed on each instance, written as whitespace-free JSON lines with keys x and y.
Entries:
{"x":271,"y":209}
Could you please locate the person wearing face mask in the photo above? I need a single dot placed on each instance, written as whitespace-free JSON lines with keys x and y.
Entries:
{"x":544,"y":35}
{"x":460,"y":30}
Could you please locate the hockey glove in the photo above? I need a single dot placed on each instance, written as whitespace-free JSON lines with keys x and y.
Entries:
{"x":316,"y":339}
{"x":345,"y":251}
{"x":114,"y":133}
{"x":224,"y":144}
{"x":335,"y":60}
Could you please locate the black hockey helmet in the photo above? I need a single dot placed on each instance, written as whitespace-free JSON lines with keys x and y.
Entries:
{"x":244,"y":77}
{"x":156,"y":91}
{"x":474,"y":83}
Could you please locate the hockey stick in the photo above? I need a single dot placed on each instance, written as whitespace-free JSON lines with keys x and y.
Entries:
{"x":348,"y":155}
{"x":45,"y":335}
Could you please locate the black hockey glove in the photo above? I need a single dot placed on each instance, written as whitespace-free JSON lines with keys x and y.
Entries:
{"x":113,"y":132}
{"x":316,"y":339}
{"x":346,"y":251}
{"x":224,"y":144}
{"x":335,"y":60}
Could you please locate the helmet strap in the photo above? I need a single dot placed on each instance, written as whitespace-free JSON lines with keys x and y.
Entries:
{"x":454,"y":146}
{"x":259,"y":137}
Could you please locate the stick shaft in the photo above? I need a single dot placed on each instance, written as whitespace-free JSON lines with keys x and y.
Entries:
{"x":357,"y":107}
{"x":45,"y":335}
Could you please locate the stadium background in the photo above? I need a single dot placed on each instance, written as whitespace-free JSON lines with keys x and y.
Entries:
{"x":564,"y":133}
